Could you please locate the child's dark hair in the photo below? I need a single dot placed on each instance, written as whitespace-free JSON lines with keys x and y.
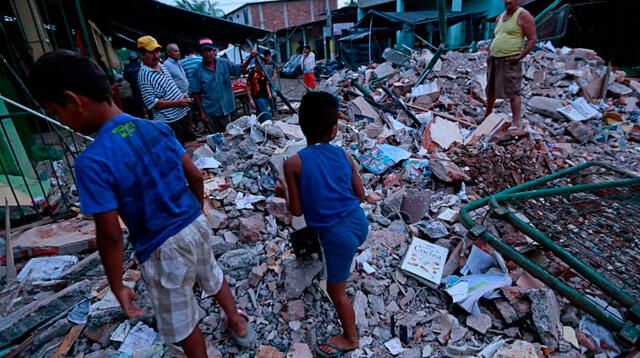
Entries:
{"x":318,"y":114}
{"x":266,"y":53}
{"x":64,"y":70}
{"x":307,"y":47}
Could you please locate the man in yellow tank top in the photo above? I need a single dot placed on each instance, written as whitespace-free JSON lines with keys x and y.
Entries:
{"x":504,"y":64}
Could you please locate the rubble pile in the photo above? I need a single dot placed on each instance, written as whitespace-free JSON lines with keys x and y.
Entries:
{"x":423,"y":153}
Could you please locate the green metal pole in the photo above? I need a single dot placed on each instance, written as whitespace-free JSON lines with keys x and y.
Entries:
{"x":361,"y":88}
{"x":585,"y":270}
{"x":441,"y":50}
{"x":22,"y":174}
{"x":442,"y":16}
{"x":399,"y":33}
{"x":84,"y":29}
{"x":627,"y":330}
{"x":547,"y":10}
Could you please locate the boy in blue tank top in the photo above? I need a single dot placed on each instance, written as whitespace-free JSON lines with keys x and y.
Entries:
{"x":323,"y":184}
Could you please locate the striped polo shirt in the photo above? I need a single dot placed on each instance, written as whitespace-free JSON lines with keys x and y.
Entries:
{"x":158,"y":85}
{"x":190,"y":63}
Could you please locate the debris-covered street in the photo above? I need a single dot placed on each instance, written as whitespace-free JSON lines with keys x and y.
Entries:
{"x":485,"y":238}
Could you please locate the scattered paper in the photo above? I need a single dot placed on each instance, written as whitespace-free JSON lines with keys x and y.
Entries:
{"x":425,"y":117}
{"x":394,"y":346}
{"x":429,"y":88}
{"x":478,"y":262}
{"x":203,"y":158}
{"x":140,"y":337}
{"x":600,"y":335}
{"x":109,"y":300}
{"x":578,"y":110}
{"x":244,"y":202}
{"x":382,"y":157}
{"x":80,"y":312}
{"x":214,"y":184}
{"x":467,"y":291}
{"x":46,"y":268}
{"x":121,"y":332}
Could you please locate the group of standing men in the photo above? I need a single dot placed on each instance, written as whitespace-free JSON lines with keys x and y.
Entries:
{"x":196,"y":91}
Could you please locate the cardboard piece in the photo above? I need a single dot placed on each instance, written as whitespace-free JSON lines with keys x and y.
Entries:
{"x":366,"y":109}
{"x":494,"y":123}
{"x":445,"y":133}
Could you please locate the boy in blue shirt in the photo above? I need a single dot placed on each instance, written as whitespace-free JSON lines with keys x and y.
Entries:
{"x":323,"y":184}
{"x":136,"y":169}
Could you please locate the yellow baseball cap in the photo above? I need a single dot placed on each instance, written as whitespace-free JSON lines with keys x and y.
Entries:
{"x":148,"y":43}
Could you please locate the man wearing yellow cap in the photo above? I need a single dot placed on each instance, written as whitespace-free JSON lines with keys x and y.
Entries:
{"x":504,"y":64}
{"x":160,"y":93}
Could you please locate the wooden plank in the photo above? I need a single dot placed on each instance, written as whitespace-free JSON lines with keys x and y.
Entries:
{"x":446,"y":116}
{"x":68,"y":341}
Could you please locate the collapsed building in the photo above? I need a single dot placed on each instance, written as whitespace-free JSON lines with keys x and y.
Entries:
{"x":425,"y":152}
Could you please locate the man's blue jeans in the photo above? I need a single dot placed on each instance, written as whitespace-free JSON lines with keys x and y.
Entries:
{"x":263,"y":108}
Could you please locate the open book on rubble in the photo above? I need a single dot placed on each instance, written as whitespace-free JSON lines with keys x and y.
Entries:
{"x":425,"y":261}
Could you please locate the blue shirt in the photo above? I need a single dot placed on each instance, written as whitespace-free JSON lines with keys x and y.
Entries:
{"x":214,"y":87}
{"x":326,"y":190}
{"x":134,"y":166}
{"x":177,"y":73}
{"x":189,"y":64}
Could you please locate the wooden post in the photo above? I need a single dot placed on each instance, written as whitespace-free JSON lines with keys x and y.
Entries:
{"x":68,"y":341}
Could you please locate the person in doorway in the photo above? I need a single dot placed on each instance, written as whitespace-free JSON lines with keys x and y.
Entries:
{"x":308,"y":64}
{"x":259,"y":93}
{"x":160,"y":93}
{"x":210,"y":84}
{"x":130,"y":74}
{"x":172,"y":63}
{"x":136,"y":170}
{"x":323,"y":184}
{"x":504,"y":64}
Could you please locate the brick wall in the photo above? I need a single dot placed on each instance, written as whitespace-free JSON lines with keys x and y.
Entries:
{"x":273,"y":13}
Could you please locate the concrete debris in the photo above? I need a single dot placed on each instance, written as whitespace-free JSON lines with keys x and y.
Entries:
{"x":546,"y":316}
{"x":423,"y":152}
{"x":520,"y":349}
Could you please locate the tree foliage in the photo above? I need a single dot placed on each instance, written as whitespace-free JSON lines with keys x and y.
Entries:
{"x":206,"y":7}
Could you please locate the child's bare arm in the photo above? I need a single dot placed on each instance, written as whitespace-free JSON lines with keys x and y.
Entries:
{"x":111,"y":247}
{"x":356,"y":182}
{"x":194,"y":178}
{"x":292,"y":168}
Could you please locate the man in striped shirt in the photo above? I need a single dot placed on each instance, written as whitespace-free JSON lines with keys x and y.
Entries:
{"x":160,"y":93}
{"x":190,"y":61}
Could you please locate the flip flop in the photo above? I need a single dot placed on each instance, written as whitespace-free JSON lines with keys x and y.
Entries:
{"x":338,"y":351}
{"x":248,"y":338}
